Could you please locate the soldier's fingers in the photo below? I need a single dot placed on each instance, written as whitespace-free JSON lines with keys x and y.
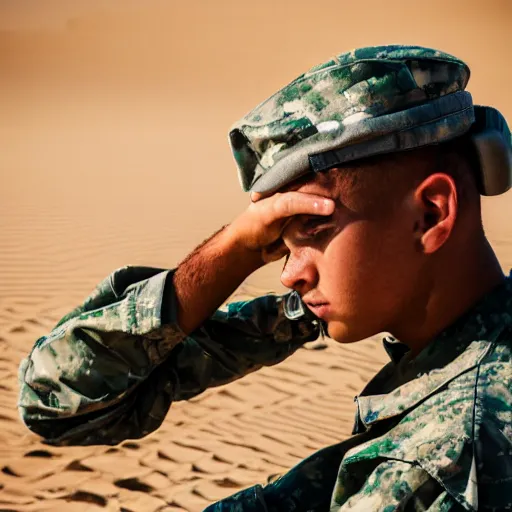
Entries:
{"x":300,"y":203}
{"x":255,"y":196}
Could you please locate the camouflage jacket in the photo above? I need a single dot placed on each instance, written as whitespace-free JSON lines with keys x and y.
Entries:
{"x":431,"y":433}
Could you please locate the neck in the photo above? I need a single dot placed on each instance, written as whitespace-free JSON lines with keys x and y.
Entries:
{"x":457,"y":286}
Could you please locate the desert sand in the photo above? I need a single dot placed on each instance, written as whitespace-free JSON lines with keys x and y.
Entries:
{"x":113,"y":122}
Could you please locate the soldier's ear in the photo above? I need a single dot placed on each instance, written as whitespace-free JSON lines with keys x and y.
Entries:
{"x":437,"y":208}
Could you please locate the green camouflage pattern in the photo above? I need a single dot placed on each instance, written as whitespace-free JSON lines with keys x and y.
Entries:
{"x":345,"y":91}
{"x":431,"y":433}
{"x":110,"y":369}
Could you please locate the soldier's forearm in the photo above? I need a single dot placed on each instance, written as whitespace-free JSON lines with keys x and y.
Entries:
{"x":209,"y":275}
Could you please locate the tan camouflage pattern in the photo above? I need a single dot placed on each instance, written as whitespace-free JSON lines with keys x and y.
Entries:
{"x":433,"y":433}
{"x":344,"y":91}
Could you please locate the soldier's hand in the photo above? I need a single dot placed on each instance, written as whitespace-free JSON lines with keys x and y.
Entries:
{"x":260,"y":226}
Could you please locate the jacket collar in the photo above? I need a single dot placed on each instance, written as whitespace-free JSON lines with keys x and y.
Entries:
{"x":457,"y":349}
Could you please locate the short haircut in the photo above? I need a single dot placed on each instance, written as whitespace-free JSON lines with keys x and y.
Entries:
{"x":373,"y":184}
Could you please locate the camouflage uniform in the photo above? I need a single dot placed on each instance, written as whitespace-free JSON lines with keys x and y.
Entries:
{"x":431,"y":433}
{"x":366,"y":102}
{"x":110,"y":369}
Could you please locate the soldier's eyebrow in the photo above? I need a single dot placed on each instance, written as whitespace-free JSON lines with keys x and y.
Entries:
{"x":299,"y":224}
{"x":316,"y":220}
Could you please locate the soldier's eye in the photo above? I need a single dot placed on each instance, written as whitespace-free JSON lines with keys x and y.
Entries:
{"x":314,"y":222}
{"x":313,"y":226}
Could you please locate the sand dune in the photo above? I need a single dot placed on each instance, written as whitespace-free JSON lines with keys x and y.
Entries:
{"x":113,"y":122}
{"x":224,"y":440}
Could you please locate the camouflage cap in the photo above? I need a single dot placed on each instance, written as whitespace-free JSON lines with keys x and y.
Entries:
{"x":365,"y":102}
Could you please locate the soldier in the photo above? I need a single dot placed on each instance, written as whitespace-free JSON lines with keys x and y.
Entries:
{"x":366,"y":173}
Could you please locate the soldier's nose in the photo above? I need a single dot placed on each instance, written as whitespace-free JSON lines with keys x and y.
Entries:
{"x":298,"y":272}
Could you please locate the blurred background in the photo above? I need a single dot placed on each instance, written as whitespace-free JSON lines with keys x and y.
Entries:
{"x":113,"y":132}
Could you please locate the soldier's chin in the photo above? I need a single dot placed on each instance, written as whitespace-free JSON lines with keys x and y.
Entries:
{"x":344,"y":332}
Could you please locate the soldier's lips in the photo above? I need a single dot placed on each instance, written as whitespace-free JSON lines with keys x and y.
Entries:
{"x":321,"y":310}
